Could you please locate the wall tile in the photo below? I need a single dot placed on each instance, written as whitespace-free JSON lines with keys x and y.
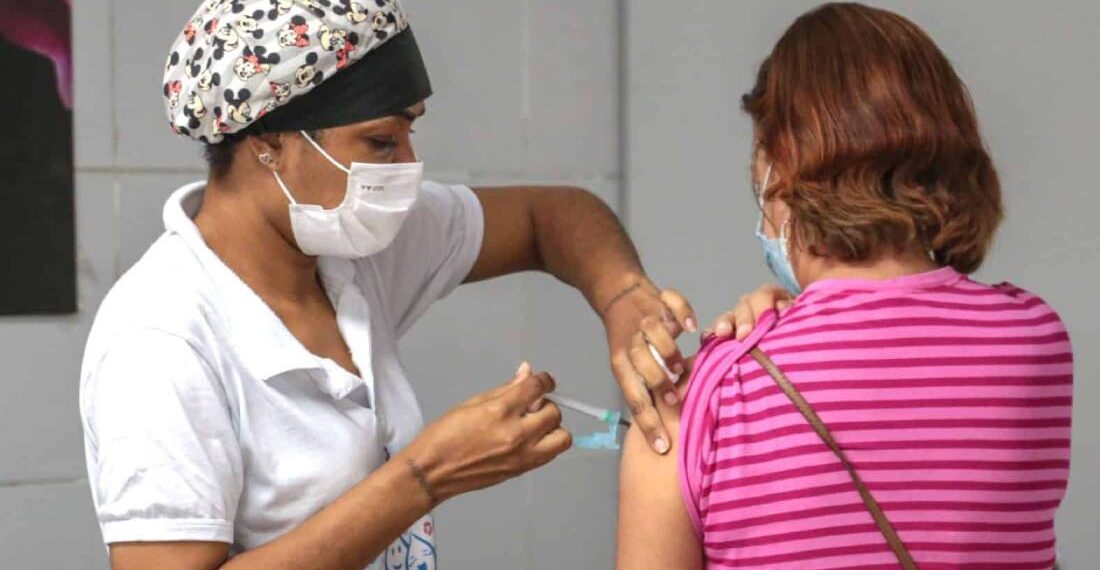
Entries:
{"x":50,"y":526}
{"x":41,"y":355}
{"x":572,"y":523}
{"x":145,"y":30}
{"x":573,"y":86}
{"x":93,"y":74}
{"x":141,"y":208}
{"x":474,"y":53}
{"x":469,"y":343}
{"x":486,"y":529}
{"x":1077,"y":525}
{"x":567,"y":339}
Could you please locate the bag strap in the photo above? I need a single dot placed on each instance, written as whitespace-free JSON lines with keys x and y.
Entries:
{"x":884,"y":526}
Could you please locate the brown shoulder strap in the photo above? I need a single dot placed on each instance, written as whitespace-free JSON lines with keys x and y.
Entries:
{"x":803,"y":406}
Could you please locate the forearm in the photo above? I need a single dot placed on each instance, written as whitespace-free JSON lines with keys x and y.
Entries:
{"x":580,"y":241}
{"x":352,"y":531}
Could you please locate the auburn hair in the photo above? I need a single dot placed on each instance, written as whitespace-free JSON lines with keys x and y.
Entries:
{"x":873,"y":140}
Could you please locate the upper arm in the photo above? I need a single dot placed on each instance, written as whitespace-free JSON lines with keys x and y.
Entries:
{"x":168,"y":555}
{"x":509,"y":245}
{"x":165,"y":462}
{"x":655,"y":531}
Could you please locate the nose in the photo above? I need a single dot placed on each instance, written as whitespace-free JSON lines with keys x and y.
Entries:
{"x":405,"y":151}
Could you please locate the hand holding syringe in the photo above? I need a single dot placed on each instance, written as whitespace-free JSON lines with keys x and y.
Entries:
{"x":612,"y":418}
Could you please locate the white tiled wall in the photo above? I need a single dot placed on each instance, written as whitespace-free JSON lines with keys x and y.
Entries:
{"x":525,"y":91}
{"x":47,"y":526}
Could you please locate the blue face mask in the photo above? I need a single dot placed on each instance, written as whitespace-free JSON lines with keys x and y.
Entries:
{"x":776,"y":254}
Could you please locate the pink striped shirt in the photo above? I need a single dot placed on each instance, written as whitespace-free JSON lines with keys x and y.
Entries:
{"x":951,"y":398}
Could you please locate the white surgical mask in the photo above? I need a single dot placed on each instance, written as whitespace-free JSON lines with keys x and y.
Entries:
{"x":378,"y":199}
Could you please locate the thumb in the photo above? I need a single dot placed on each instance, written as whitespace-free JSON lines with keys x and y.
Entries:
{"x":522,"y":373}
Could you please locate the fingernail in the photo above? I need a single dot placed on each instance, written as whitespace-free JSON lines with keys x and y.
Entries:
{"x":689,"y":324}
{"x":523,"y":372}
{"x":723,"y":329}
{"x":678,"y":368}
{"x":670,"y":398}
{"x":661,"y":445}
{"x":742,"y":331}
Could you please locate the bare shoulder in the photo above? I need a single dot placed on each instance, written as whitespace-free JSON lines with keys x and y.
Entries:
{"x":655,"y":530}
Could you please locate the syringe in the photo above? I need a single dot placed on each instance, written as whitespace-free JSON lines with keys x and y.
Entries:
{"x":604,"y":415}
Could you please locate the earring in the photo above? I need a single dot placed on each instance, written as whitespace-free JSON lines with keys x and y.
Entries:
{"x":266,"y":159}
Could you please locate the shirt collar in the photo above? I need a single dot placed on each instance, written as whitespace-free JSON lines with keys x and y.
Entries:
{"x":265,"y":347}
{"x":940,"y":277}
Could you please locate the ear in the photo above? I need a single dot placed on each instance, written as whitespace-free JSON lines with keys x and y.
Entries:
{"x":760,"y":163}
{"x":269,"y":144}
{"x":777,"y":216}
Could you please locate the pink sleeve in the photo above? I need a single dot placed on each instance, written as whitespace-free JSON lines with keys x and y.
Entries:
{"x":714,"y":364}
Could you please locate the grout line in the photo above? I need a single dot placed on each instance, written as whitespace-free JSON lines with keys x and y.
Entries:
{"x":139,"y":170}
{"x":528,"y":288}
{"x":41,"y":482}
{"x":116,"y":189}
{"x":621,"y":33}
{"x":525,"y":78}
{"x":113,"y":85}
{"x":522,"y":177}
{"x":623,"y":95}
{"x":529,"y":523}
{"x":116,"y":226}
{"x":497,"y":176}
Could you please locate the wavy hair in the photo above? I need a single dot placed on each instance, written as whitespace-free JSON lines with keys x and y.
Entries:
{"x":874,"y":140}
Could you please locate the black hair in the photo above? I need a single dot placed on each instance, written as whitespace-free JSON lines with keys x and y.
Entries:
{"x":219,"y":157}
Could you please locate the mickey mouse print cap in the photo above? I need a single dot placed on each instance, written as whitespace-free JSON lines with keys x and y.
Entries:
{"x":287,"y":65}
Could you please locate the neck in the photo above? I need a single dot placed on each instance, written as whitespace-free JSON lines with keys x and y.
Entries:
{"x":234,"y":226}
{"x":881,"y":267}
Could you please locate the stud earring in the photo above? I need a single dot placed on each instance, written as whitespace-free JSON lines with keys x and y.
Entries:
{"x":266,"y":158}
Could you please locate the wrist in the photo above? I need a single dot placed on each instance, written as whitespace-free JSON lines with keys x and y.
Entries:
{"x":427,"y":489}
{"x":615,"y":291}
{"x":395,"y":479}
{"x":424,"y":472}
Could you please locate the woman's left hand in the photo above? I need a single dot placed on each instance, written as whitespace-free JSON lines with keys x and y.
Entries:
{"x":648,"y":316}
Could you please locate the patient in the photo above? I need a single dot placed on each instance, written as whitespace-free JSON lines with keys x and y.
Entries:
{"x":949,"y":397}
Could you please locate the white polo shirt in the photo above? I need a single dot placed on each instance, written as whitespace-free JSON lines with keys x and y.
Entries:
{"x":206,"y":419}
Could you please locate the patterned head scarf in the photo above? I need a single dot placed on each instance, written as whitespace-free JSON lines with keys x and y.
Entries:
{"x":250,"y":64}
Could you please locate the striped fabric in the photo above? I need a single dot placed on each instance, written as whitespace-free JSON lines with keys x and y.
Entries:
{"x":951,"y":398}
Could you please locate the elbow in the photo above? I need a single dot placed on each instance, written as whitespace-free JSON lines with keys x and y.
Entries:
{"x":574,"y":195}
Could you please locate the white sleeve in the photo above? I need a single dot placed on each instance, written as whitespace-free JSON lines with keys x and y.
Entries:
{"x":165,"y":462}
{"x":433,"y":254}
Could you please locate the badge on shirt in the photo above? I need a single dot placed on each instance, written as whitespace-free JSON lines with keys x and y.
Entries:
{"x":415,"y":549}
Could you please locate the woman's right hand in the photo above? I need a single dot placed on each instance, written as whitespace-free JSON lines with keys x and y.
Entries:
{"x":740,"y":321}
{"x":490,"y":438}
